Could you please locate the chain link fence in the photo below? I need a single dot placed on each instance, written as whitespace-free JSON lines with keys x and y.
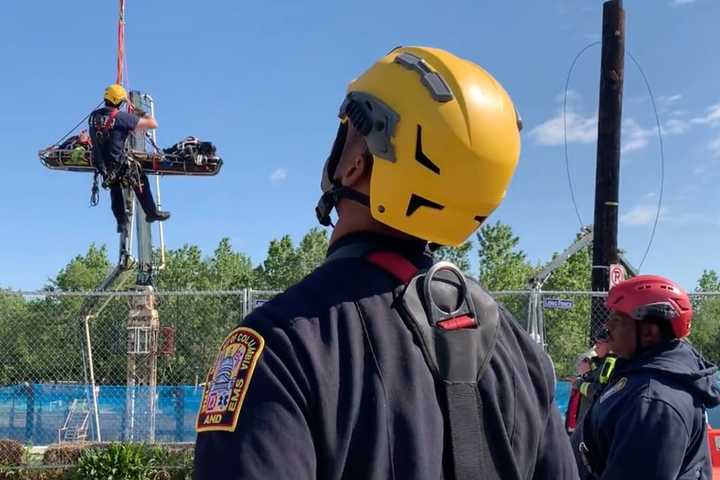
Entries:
{"x":129,"y":366}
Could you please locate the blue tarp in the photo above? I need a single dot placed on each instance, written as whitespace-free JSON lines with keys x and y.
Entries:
{"x":33,"y":413}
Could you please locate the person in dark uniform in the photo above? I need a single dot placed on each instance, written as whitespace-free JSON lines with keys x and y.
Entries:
{"x":327,"y":380}
{"x":593,"y":371}
{"x":109,"y":129}
{"x":649,"y":420}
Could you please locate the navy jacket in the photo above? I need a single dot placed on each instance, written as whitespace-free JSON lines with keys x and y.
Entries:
{"x":649,"y":422}
{"x":109,"y":134}
{"x":342,"y":391}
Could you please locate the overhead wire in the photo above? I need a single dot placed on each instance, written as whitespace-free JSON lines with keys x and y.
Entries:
{"x":660,"y":139}
{"x":565,"y":142}
{"x":662,"y":160}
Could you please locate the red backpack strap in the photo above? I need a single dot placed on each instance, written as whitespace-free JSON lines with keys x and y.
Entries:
{"x":395,"y":264}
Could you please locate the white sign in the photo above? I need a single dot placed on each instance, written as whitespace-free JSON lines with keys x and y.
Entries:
{"x":557,"y":303}
{"x":617,"y":274}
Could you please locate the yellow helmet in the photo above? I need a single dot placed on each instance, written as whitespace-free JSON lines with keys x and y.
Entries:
{"x":115,"y":94}
{"x":445,"y":138}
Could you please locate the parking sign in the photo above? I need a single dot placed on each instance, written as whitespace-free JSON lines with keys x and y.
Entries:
{"x":617,"y":274}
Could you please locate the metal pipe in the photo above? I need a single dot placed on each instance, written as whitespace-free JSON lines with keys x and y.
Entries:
{"x":96,"y":414}
{"x":161,"y":228}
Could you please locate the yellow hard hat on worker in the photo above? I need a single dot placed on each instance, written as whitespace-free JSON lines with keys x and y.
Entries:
{"x":445,"y":139}
{"x":115,"y":94}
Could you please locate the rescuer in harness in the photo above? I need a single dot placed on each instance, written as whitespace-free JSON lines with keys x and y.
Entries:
{"x":109,"y":129}
{"x":649,"y":419}
{"x":381,"y":364}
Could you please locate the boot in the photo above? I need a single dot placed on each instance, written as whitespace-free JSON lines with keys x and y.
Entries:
{"x":158,"y":216}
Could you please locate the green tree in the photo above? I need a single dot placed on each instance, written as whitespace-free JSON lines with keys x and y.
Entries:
{"x":312,"y":250}
{"x":16,"y":340}
{"x":84,"y":272}
{"x":286,"y":265}
{"x":460,"y":256}
{"x":709,"y":282}
{"x":706,"y":316}
{"x":200,"y":321}
{"x":566,"y":331}
{"x":228,"y":269}
{"x":281,"y":265}
{"x":503,"y":266}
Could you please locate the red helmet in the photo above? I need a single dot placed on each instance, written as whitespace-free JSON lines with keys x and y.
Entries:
{"x":653,"y":296}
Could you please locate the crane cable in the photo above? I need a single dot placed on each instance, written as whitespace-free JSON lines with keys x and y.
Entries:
{"x":121,"y":44}
{"x":120,"y":79}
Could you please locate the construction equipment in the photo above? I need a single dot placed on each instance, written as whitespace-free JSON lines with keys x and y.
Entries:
{"x":536,"y":323}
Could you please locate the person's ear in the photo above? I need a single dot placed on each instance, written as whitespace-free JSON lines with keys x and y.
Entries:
{"x":357,"y":170}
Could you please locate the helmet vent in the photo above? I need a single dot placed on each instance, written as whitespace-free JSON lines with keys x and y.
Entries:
{"x":416,"y":201}
{"x":421,"y":157}
{"x":431,"y":80}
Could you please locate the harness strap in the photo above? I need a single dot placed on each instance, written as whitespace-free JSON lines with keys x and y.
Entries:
{"x":395,"y":264}
{"x":111,"y":118}
{"x":469,"y":447}
{"x":467,"y":453}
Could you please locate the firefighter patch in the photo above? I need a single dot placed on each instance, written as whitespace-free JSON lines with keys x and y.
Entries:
{"x":228,"y":381}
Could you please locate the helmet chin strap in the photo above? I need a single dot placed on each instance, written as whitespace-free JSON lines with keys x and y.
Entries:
{"x":330,"y":199}
{"x":333,"y":190}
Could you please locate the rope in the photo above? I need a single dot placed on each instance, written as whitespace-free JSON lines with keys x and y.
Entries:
{"x":152,"y":142}
{"x":76,"y":126}
{"x":95,"y":191}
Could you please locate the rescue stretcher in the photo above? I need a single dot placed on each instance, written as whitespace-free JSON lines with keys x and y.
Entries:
{"x":187,"y":157}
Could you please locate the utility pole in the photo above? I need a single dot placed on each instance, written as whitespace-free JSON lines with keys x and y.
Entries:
{"x":607,"y":174}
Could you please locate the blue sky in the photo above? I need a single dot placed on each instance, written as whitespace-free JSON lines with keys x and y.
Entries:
{"x":263,"y":80}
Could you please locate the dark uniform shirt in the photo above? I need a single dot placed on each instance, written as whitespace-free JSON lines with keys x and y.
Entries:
{"x":649,"y":421}
{"x":341,"y":390}
{"x":108,"y":135}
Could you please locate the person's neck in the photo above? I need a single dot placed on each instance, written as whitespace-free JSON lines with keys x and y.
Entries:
{"x":350,"y":224}
{"x":344,"y":228}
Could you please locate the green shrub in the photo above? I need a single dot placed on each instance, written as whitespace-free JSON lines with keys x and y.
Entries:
{"x":68,"y":453}
{"x":34,"y":473}
{"x":134,"y":461}
{"x":106,"y":461}
{"x":11,"y":453}
{"x":118,"y":461}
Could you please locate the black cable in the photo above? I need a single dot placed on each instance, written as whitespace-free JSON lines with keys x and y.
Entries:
{"x":567,"y":160}
{"x":662,"y":160}
{"x":77,"y":125}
